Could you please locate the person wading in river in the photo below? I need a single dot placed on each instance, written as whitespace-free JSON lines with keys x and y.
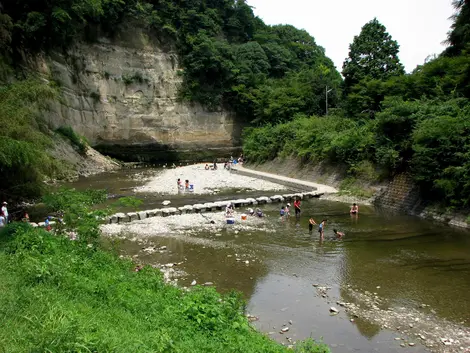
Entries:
{"x":311,"y":223}
{"x":297,"y":208}
{"x":354,"y":209}
{"x":321,"y":228}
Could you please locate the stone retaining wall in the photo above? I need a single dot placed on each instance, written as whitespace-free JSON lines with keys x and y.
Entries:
{"x":206,"y":207}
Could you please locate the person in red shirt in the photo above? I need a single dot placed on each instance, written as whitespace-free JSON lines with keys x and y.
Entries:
{"x":297,"y":208}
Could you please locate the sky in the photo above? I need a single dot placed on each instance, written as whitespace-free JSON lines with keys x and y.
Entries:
{"x":419,"y":26}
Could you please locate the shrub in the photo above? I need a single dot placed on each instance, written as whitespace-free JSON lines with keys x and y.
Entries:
{"x":77,"y":141}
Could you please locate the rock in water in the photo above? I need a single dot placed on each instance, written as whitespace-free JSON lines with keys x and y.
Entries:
{"x":334,"y":310}
{"x":166,"y":203}
{"x":284,"y":329}
{"x":193,"y":283}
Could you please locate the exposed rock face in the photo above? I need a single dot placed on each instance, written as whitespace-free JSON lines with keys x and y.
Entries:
{"x":121,"y":94}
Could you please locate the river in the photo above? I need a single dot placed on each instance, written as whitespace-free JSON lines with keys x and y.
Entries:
{"x":409,"y":277}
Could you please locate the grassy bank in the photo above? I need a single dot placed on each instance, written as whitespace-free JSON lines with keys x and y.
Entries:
{"x":58,"y":295}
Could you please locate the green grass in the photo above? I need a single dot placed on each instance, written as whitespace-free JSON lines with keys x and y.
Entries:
{"x":351,"y":186}
{"x":58,"y":295}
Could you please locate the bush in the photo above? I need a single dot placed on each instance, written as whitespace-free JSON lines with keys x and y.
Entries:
{"x":77,"y":141}
{"x":441,"y":160}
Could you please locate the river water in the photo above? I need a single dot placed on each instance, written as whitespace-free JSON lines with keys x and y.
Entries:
{"x":401,"y":261}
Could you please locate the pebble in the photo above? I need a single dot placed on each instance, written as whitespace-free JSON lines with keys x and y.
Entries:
{"x":290,"y":322}
{"x":334,"y":310}
{"x":403,"y":345}
{"x":284,"y":329}
{"x":411,"y":344}
{"x":193,"y":283}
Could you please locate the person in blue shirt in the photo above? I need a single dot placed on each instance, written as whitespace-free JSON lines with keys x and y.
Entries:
{"x":321,"y":228}
{"x":282,"y":212}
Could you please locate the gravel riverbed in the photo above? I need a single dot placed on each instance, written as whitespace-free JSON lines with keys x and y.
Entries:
{"x":204,"y":181}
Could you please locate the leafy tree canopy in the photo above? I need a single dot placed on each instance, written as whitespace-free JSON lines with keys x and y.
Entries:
{"x":373,"y":54}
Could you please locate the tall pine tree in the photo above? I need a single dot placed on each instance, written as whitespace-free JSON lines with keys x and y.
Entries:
{"x":373,"y":54}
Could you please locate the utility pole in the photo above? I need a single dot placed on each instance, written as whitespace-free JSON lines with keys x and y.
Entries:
{"x":326,"y":98}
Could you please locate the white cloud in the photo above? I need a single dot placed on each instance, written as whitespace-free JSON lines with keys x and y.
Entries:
{"x":419,"y":26}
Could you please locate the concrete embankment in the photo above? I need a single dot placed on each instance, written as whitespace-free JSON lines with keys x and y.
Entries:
{"x":286,"y":181}
{"x":207,"y":207}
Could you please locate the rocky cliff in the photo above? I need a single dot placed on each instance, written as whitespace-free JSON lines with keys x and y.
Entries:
{"x":121,"y":94}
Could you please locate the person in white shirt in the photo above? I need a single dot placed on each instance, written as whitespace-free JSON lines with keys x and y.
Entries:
{"x":5,"y":212}
{"x":2,"y":221}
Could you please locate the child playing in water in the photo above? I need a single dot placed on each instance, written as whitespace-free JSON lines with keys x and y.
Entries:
{"x":287,"y":211}
{"x":186,"y":184}
{"x":338,"y":234}
{"x":321,"y":228}
{"x":282,"y":212}
{"x":311,"y":223}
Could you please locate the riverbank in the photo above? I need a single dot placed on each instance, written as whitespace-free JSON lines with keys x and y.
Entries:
{"x":52,"y":287}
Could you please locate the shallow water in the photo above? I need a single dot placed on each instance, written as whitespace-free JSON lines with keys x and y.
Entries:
{"x":413,"y":262}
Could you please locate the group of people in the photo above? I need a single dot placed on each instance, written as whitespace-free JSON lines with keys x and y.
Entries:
{"x":229,"y":211}
{"x":182,"y":187}
{"x":285,"y":213}
{"x":211,"y":167}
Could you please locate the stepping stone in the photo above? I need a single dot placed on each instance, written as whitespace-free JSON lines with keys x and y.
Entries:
{"x":133,"y":216}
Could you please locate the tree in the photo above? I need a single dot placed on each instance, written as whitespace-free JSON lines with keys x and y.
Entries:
{"x":459,"y":36}
{"x":373,"y":54}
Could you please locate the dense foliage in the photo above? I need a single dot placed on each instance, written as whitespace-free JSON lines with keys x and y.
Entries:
{"x":60,"y":295}
{"x":23,"y":141}
{"x":391,"y":121}
{"x":275,"y":77}
{"x":230,"y":58}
